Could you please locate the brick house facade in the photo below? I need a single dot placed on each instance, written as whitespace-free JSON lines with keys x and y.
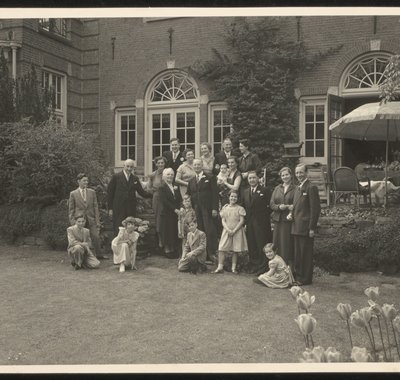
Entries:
{"x":129,"y":78}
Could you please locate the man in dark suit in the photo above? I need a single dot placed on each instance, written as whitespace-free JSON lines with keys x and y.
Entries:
{"x":174,"y":156}
{"x":203,"y":192}
{"x":83,"y":201}
{"x":222,"y":156}
{"x":305,"y":214}
{"x":122,"y":194}
{"x":255,"y":199}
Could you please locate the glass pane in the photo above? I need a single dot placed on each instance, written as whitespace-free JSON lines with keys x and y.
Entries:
{"x":309,"y":148}
{"x":309,"y":131}
{"x":190,"y":146}
{"x":225,"y":131}
{"x":309,"y":113}
{"x":156,"y":137}
{"x":165,"y":135}
{"x":319,"y":113}
{"x":131,"y":122}
{"x":217,"y":148}
{"x":132,"y":152}
{"x":123,"y":154}
{"x":180,"y":120}
{"x":156,"y":121}
{"x":217,"y":134}
{"x":225,"y":117}
{"x":180,"y":134}
{"x":131,"y":136}
{"x":319,"y":131}
{"x":58,"y":101}
{"x":166,"y":120}
{"x":217,"y":118}
{"x":156,"y":151}
{"x":124,"y":138}
{"x":190,"y":135}
{"x":319,"y":149}
{"x":190,"y":120}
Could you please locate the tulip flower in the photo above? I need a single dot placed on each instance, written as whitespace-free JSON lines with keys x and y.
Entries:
{"x":372,"y":293}
{"x":376,"y":309}
{"x":306,"y":325}
{"x":316,"y":355}
{"x":361,"y":318}
{"x":360,"y":354}
{"x":295,"y":291}
{"x":389,"y":312}
{"x":332,"y":355}
{"x":304,"y":301}
{"x":396,"y":323}
{"x":344,"y":310}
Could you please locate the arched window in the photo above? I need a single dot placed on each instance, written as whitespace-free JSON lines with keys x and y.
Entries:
{"x":365,"y":74}
{"x":173,"y":87}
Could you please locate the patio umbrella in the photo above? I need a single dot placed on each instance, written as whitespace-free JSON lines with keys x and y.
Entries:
{"x":371,"y":121}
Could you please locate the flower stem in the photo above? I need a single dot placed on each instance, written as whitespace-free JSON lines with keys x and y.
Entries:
{"x":372,"y":335}
{"x":388,"y":337}
{"x":381,"y":335}
{"x":348,"y":328}
{"x":307,"y":341}
{"x":395,"y":339}
{"x":312,"y":341}
{"x":372,"y":343}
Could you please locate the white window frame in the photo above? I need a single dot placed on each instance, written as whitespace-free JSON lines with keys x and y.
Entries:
{"x":61,"y":112}
{"x":313,"y":101}
{"x":215,"y":106}
{"x":61,"y":26}
{"x":118,"y":162}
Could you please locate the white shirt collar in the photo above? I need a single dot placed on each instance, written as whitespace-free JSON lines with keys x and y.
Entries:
{"x":301,"y":184}
{"x":126,"y":175}
{"x":199,"y":175}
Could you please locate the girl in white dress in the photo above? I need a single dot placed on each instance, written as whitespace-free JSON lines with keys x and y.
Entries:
{"x":233,"y":239}
{"x":124,"y":245}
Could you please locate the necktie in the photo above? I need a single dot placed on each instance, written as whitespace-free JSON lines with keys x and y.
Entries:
{"x":198,"y":178}
{"x":84,"y":194}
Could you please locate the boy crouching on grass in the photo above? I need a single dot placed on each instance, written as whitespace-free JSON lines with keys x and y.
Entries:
{"x":194,"y":251}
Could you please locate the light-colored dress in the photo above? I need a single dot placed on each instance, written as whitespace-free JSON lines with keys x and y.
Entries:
{"x":237,"y":243}
{"x":280,"y":278}
{"x":185,"y":173}
{"x":124,"y":252}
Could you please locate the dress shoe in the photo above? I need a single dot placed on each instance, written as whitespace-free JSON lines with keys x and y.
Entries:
{"x":218,"y":271}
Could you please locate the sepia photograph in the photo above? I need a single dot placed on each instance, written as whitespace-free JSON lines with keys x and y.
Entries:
{"x":200,"y":190}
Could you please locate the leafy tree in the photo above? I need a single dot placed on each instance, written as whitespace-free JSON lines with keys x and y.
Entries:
{"x":258,"y":83}
{"x":391,"y":86}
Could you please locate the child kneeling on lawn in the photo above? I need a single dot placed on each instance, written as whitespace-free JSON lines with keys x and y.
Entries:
{"x":79,"y":245}
{"x":194,"y":252}
{"x":124,"y":245}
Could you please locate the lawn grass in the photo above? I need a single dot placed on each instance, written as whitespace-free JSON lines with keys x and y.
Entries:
{"x":51,"y":314}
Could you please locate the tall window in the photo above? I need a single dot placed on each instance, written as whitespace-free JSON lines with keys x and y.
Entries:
{"x":54,"y":25}
{"x":55,"y":84}
{"x":220,"y":126}
{"x":314,"y":130}
{"x":125,"y":136}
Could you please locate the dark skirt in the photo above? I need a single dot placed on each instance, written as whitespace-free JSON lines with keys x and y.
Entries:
{"x":283,"y":241}
{"x":168,"y":231}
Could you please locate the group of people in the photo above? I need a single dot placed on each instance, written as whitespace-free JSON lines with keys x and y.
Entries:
{"x":207,"y":209}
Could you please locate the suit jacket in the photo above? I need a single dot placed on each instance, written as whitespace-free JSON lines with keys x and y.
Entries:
{"x":257,"y":205}
{"x":90,"y":208}
{"x":205,"y":193}
{"x":306,"y":209}
{"x":171,"y":163}
{"x":76,"y":236}
{"x":168,"y":202}
{"x":280,"y":197}
{"x":196,"y":242}
{"x":219,"y":159}
{"x":122,"y":194}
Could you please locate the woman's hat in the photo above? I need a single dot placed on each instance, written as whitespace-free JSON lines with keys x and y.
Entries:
{"x":129,"y":219}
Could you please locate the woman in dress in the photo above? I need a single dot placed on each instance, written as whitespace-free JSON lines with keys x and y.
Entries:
{"x":155,"y":181}
{"x":233,"y":239}
{"x":185,"y":172}
{"x":169,"y":202}
{"x":248,"y":161}
{"x":233,"y":180}
{"x":124,"y":245}
{"x":279,"y":275}
{"x":207,"y":158}
{"x":281,"y":205}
